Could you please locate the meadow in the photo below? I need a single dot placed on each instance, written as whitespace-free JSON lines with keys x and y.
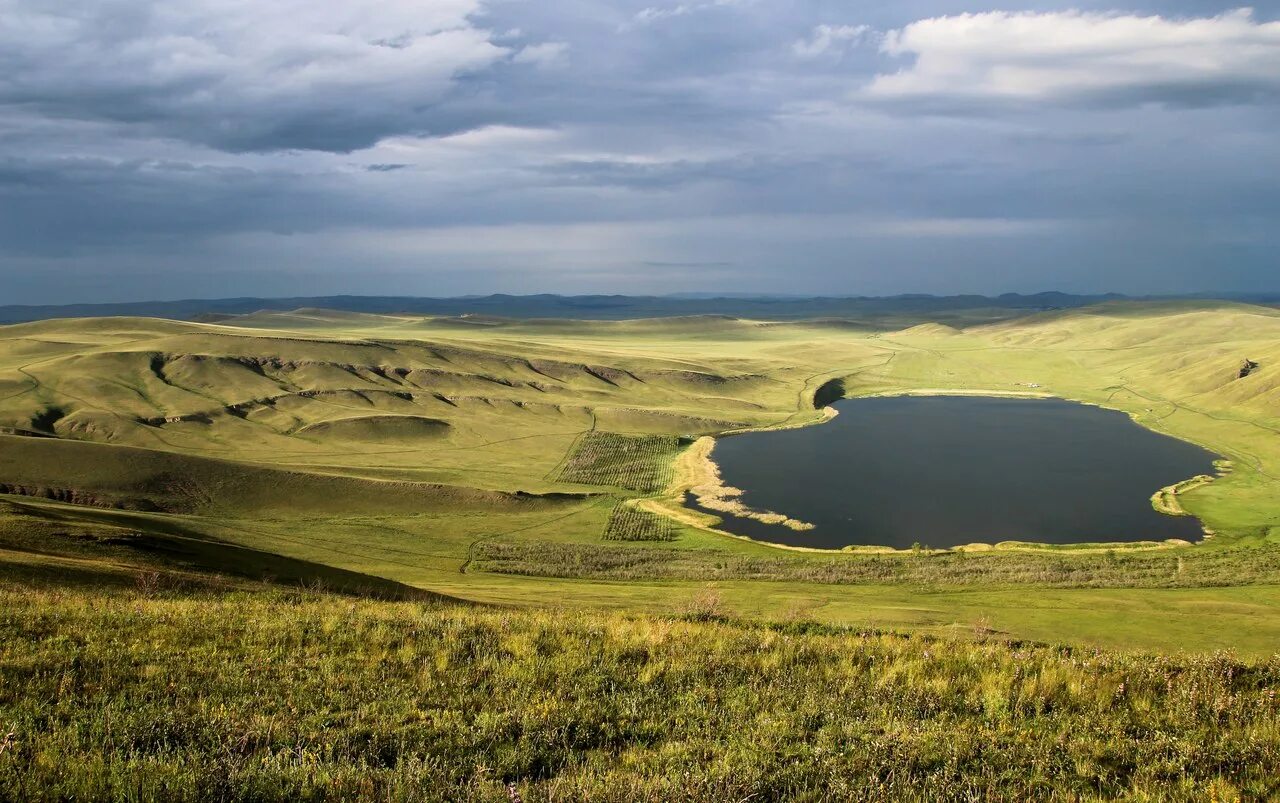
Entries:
{"x":178,"y":688}
{"x":320,"y":555}
{"x":536,"y":461}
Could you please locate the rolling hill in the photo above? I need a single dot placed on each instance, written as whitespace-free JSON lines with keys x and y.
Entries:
{"x":486,"y":458}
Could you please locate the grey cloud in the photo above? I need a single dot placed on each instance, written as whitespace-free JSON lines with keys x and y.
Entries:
{"x":755,"y":168}
{"x":248,"y":76}
{"x":486,"y":145}
{"x":80,"y":205}
{"x":829,"y":39}
{"x":1082,"y":139}
{"x":705,"y":264}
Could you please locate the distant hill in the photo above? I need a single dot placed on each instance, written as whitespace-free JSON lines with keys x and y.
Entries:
{"x":597,"y":307}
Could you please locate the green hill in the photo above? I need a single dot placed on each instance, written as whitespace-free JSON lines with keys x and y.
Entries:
{"x":431,"y":452}
{"x":333,"y":555}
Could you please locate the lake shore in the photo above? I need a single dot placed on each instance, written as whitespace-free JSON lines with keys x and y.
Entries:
{"x":698,"y":473}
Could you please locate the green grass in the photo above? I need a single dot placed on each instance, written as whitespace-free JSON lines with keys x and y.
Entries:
{"x":234,"y":560}
{"x":483,"y":461}
{"x":266,"y":695}
{"x":635,"y":462}
{"x":1165,"y":568}
{"x":629,"y":523}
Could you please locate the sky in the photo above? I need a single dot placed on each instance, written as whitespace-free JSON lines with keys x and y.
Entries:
{"x":162,"y":149}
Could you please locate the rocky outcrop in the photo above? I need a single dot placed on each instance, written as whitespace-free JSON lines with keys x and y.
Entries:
{"x":830,"y":391}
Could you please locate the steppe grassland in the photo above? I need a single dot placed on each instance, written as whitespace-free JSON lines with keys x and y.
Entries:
{"x":256,"y":695}
{"x":498,"y":406}
{"x":1173,"y":366}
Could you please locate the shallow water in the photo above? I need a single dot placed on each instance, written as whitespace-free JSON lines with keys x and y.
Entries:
{"x":950,"y":470}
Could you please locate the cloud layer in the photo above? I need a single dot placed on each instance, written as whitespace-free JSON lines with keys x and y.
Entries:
{"x":246,"y":76}
{"x":216,"y":147}
{"x":1083,"y":57}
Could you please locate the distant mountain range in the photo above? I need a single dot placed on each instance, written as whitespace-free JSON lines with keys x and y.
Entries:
{"x":605,"y":307}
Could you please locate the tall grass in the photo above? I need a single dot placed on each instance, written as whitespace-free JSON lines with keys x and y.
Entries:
{"x":639,"y":462}
{"x":154,"y":695}
{"x":629,"y":523}
{"x":1167,"y":568}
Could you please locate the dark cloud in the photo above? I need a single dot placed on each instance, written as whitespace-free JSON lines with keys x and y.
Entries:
{"x":248,"y":76}
{"x":634,"y":146}
{"x":77,"y":206}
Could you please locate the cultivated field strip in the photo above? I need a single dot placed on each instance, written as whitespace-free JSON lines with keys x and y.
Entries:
{"x":629,"y":523}
{"x":637,"y":462}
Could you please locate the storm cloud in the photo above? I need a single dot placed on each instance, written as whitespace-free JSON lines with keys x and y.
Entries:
{"x":223,"y":147}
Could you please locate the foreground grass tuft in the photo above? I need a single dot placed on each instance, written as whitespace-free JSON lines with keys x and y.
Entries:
{"x":287,"y":696}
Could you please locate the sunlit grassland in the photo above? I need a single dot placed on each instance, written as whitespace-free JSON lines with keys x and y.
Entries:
{"x":1011,"y":597}
{"x":205,"y":694}
{"x":166,"y":481}
{"x":394,"y":447}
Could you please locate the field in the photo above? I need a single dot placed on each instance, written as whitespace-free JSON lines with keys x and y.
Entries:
{"x":448,"y":454}
{"x":500,"y":581}
{"x":150,"y":691}
{"x":636,"y":462}
{"x":629,"y":523}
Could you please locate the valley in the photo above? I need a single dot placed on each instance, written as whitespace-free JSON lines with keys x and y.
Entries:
{"x":531,"y":461}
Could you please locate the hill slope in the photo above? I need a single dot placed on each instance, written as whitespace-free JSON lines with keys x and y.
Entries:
{"x":213,"y":696}
{"x":489,"y":458}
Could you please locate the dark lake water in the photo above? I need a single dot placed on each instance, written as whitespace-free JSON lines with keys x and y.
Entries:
{"x":950,"y":470}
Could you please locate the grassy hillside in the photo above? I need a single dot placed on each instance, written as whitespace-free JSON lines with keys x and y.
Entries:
{"x":501,"y":460}
{"x":210,"y":694}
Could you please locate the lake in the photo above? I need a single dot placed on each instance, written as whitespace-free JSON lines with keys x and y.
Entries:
{"x":951,"y":470}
